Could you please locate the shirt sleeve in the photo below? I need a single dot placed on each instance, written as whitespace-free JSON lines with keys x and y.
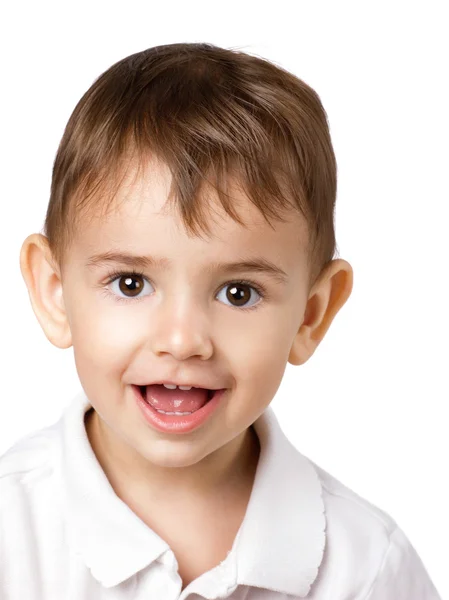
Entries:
{"x":402,"y":575}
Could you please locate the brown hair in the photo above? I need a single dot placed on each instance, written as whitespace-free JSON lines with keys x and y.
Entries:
{"x":206,"y":112}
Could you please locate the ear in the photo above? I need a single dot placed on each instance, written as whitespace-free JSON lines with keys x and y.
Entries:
{"x":327,"y":296}
{"x":42,"y":278}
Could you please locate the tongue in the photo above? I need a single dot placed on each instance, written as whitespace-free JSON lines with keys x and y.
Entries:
{"x":176,"y":400}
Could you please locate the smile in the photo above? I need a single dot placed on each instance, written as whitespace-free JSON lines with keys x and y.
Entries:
{"x":177,"y":397}
{"x":201,"y":402}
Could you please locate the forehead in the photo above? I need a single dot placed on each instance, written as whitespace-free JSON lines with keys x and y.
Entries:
{"x":141,"y":219}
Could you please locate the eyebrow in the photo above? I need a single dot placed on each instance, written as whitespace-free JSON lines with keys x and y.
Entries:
{"x":256,"y":265}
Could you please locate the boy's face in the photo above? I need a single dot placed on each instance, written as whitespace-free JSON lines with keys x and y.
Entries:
{"x":183,"y":324}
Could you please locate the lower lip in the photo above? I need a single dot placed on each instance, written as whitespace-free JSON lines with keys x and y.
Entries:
{"x":177,"y":423}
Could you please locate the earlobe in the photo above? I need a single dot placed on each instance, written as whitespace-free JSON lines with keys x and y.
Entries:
{"x":44,"y":285}
{"x":329,"y":294}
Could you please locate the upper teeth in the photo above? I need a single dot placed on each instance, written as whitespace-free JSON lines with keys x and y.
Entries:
{"x":173,"y":387}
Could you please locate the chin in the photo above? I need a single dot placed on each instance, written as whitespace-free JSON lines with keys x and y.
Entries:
{"x":174,"y":458}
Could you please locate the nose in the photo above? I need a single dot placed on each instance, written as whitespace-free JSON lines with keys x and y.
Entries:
{"x":181,"y":329}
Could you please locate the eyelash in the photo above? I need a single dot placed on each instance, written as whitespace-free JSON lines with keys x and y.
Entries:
{"x":113,"y":275}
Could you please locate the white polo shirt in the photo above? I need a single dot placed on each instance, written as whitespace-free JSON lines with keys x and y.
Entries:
{"x":65,"y":534}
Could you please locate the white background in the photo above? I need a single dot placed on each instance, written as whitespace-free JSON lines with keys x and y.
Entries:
{"x":370,"y":405}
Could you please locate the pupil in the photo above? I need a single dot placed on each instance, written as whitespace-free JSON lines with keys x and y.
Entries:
{"x":131,"y":284}
{"x":238,"y":294}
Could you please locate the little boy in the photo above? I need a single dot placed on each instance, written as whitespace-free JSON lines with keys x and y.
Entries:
{"x":187,"y":256}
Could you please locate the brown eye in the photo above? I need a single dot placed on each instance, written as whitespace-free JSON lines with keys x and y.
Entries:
{"x":239,"y":294}
{"x":126,"y":286}
{"x":131,"y":285}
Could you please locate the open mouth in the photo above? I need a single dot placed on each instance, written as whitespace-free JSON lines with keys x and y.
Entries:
{"x":178,"y":401}
{"x":143,"y":392}
{"x":177,"y":410}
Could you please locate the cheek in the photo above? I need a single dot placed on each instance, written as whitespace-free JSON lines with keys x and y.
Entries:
{"x":258,"y":376}
{"x":257,"y":339}
{"x":103,"y":339}
{"x":258,"y":355}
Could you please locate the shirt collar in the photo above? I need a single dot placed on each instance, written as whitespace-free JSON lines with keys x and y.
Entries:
{"x":280,"y":543}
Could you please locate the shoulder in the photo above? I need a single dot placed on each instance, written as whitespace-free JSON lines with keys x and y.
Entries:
{"x":367,"y":554}
{"x":358,"y":535}
{"x":347,"y":508}
{"x":28,"y":465}
{"x":32,"y":528}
